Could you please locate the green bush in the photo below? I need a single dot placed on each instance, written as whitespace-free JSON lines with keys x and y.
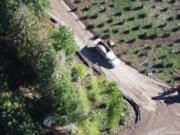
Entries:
{"x":38,"y":6}
{"x":16,"y":120}
{"x":64,"y":40}
{"x":79,"y":71}
{"x":112,"y":19}
{"x":96,"y":14}
{"x":77,"y":8}
{"x":89,"y":14}
{"x":115,"y":105}
{"x":99,"y":35}
{"x":110,"y":33}
{"x":94,"y":91}
{"x":143,"y":15}
{"x":102,"y":24}
{"x":67,"y":102}
{"x":84,"y":100}
{"x":105,"y":9}
{"x":88,"y":127}
{"x":81,"y":1}
{"x":93,"y":25}
{"x":94,"y":95}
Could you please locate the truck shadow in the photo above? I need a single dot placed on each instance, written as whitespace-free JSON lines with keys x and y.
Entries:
{"x":95,"y":57}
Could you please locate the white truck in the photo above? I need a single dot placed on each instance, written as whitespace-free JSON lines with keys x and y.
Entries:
{"x":107,"y":53}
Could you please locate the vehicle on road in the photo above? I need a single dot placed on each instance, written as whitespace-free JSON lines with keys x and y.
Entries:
{"x":107,"y":53}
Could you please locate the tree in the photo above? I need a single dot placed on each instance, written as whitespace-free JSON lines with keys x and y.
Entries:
{"x":94,"y":91}
{"x":45,"y":71}
{"x":38,"y":6}
{"x":79,"y":71}
{"x":67,"y":102}
{"x":26,"y":34}
{"x":15,"y":119}
{"x":88,"y":127}
{"x":115,"y":105}
{"x":64,"y":40}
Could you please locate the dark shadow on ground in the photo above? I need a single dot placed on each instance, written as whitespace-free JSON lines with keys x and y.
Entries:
{"x":15,"y":72}
{"x":167,"y":97}
{"x":95,"y":57}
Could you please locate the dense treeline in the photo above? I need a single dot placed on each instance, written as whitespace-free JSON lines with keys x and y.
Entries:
{"x":36,"y":79}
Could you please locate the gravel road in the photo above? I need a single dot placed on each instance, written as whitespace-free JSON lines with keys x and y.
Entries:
{"x":160,"y":116}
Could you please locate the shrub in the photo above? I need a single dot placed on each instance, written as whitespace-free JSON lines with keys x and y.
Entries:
{"x":131,"y":18}
{"x":116,"y":30}
{"x":90,"y":6}
{"x":64,"y":40}
{"x":79,"y":71}
{"x":121,"y":22}
{"x":96,"y":14}
{"x":15,"y":116}
{"x":171,"y":18}
{"x":175,"y":29}
{"x":113,"y":5}
{"x":148,"y":26}
{"x":81,"y":1}
{"x":99,"y":35}
{"x":118,"y":13}
{"x":102,"y":83}
{"x":92,"y":26}
{"x":137,"y":51}
{"x":84,"y":100}
{"x":102,"y":24}
{"x":77,"y":8}
{"x":164,"y":9}
{"x":110,"y":33}
{"x":126,"y":31}
{"x":127,"y":8}
{"x":135,"y":28}
{"x":112,"y":19}
{"x":164,"y":63}
{"x":89,"y":15}
{"x":139,"y":7}
{"x":143,"y":36}
{"x":105,"y":8}
{"x":166,"y":35}
{"x":94,"y":95}
{"x":152,"y":36}
{"x":131,"y":40}
{"x":67,"y":102}
{"x":162,"y":25}
{"x":178,"y":17}
{"x":88,"y":127}
{"x":172,"y":1}
{"x":143,"y":15}
{"x":156,"y":15}
{"x":85,"y":9}
{"x":94,"y":91}
{"x":115,"y":105}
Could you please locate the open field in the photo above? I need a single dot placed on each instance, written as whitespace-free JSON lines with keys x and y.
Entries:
{"x":143,"y":31}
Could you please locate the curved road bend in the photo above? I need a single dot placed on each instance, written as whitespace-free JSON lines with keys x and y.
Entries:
{"x":158,"y":118}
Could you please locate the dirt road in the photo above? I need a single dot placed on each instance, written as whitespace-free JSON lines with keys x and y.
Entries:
{"x":158,"y":118}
